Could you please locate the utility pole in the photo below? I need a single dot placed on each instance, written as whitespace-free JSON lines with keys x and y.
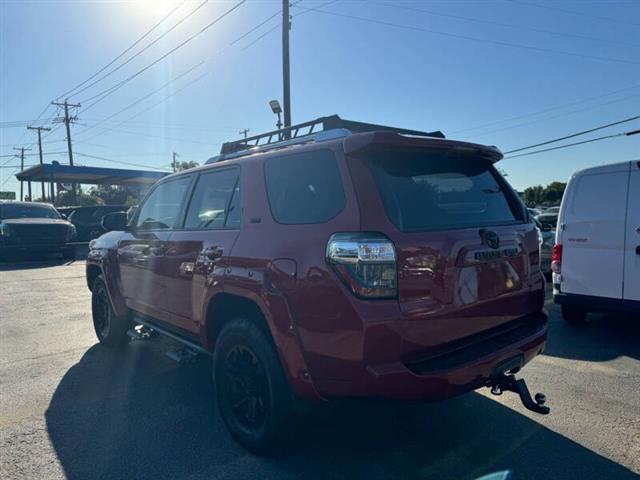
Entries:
{"x":174,"y":163}
{"x":22,"y":149}
{"x":39,"y":130}
{"x":244,"y":132}
{"x":286,"y":26}
{"x":68,"y":120}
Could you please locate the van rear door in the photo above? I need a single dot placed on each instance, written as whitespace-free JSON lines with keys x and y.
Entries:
{"x":591,"y":232}
{"x":632,"y":248}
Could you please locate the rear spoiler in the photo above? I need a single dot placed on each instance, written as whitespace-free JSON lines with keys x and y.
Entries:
{"x":382,"y":139}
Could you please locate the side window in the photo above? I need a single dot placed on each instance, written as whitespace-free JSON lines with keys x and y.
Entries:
{"x":162,"y":207}
{"x":304,"y":188}
{"x":215,"y":202}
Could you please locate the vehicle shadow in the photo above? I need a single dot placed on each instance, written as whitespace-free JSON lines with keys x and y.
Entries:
{"x":43,"y":260}
{"x":138,"y":415}
{"x":603,"y":337}
{"x":24,"y":263}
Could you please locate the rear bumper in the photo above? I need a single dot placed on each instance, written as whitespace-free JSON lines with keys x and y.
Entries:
{"x":457,"y":368}
{"x":597,"y":304}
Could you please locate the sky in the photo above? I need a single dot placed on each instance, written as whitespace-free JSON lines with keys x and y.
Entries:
{"x":509,"y":73}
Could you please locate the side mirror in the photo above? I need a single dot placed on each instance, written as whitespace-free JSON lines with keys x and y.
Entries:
{"x":114,"y":221}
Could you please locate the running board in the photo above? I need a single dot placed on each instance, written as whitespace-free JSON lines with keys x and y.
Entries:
{"x":182,"y":355}
{"x":188,"y":344}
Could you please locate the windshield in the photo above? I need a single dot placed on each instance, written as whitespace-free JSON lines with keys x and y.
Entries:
{"x":439,"y":190}
{"x":27,"y":211}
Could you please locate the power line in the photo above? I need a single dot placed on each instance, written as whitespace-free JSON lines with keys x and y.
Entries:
{"x":501,"y":24}
{"x":33,"y":154}
{"x":154,"y":105}
{"x":573,"y":12}
{"x":182,"y":20}
{"x":115,"y":161}
{"x":584,"y":132}
{"x":256,"y":27}
{"x":622,"y":134}
{"x":552,"y":117}
{"x":470,"y":38}
{"x":17,"y":123}
{"x":19,"y":166}
{"x":138,"y":134}
{"x":124,"y":52}
{"x":112,"y":89}
{"x":275,"y":27}
{"x":9,"y":177}
{"x":546,"y":110}
{"x":141,"y":99}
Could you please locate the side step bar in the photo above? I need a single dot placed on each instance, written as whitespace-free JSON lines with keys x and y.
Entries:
{"x":188,"y":344}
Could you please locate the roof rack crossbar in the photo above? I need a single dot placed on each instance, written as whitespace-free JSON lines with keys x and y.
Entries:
{"x":307,"y":129}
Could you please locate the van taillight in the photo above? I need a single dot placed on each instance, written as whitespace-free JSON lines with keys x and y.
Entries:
{"x":366,"y":262}
{"x":556,"y":258}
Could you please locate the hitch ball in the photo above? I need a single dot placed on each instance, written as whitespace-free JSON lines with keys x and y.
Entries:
{"x":540,"y":398}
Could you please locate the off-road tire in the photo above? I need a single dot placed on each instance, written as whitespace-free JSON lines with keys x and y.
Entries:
{"x":110,"y":328}
{"x":246,"y":365}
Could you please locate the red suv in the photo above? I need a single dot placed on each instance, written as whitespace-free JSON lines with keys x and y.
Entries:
{"x":358,"y":261}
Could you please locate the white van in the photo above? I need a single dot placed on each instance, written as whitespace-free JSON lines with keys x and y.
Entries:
{"x":596,"y":258}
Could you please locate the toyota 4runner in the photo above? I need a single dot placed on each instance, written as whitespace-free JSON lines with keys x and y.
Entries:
{"x":354,"y":261}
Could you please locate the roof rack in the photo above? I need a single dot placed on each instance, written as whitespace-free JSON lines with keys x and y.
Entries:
{"x":317,"y":129}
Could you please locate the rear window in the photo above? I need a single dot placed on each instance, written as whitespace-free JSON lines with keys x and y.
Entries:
{"x":13,"y":211}
{"x":304,"y":188}
{"x":441,"y":191}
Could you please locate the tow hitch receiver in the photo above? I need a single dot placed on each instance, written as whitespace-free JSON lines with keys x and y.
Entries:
{"x":508,"y":382}
{"x":503,"y":379}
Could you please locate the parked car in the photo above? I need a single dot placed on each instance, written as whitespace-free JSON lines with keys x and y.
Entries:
{"x":549,"y":220}
{"x":335,"y":265}
{"x":596,"y":258}
{"x":552,"y":210}
{"x":30,"y":227}
{"x":534,"y":212}
{"x":88,"y":220}
{"x":547,"y":240}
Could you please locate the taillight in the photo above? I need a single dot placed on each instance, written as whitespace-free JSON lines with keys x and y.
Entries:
{"x":366,"y":262}
{"x":556,"y":258}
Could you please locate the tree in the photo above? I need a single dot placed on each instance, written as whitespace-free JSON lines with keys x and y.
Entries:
{"x":82,"y":199}
{"x":181,"y":166}
{"x":116,"y":195}
{"x":551,"y":194}
{"x":554,"y":191}
{"x":533,"y":195}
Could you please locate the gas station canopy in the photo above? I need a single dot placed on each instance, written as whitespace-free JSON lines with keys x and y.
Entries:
{"x":57,"y":173}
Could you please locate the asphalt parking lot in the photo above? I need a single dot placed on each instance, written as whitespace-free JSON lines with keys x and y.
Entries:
{"x":70,"y":408}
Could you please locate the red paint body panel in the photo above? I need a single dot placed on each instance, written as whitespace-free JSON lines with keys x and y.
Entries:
{"x":331,"y":343}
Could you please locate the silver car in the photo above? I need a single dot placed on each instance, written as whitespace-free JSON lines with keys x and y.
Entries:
{"x":547,"y":236}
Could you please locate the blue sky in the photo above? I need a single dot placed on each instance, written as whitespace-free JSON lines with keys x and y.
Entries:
{"x":478,"y":71}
